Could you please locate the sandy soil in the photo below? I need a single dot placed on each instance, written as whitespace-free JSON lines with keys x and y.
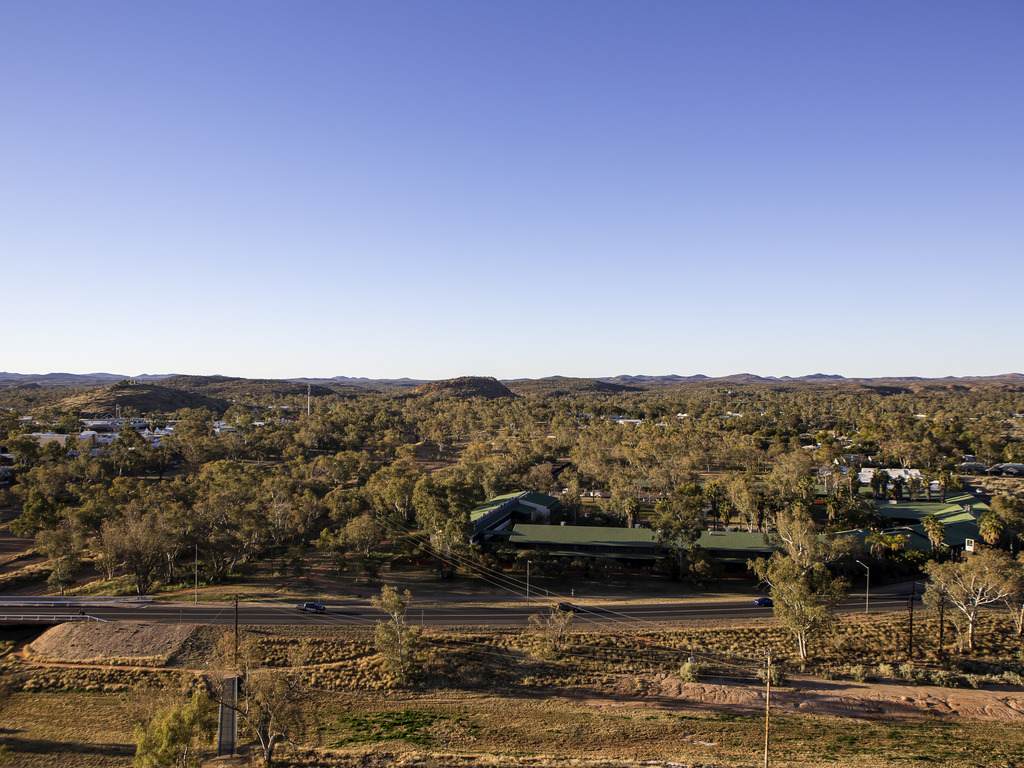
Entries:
{"x":809,"y":695}
{"x":14,"y":552}
{"x":93,"y":642}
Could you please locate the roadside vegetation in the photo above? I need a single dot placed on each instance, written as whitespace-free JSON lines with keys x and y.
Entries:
{"x":260,"y":489}
{"x":330,"y":697}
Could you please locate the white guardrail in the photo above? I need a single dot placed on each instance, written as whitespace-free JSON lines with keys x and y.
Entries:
{"x":70,"y":602}
{"x":39,"y":618}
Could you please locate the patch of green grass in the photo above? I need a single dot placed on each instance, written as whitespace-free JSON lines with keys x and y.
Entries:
{"x":407,"y":725}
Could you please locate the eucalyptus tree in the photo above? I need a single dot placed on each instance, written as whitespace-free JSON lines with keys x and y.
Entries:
{"x":1011,"y":511}
{"x":443,"y":502}
{"x":175,"y":731}
{"x":804,"y":591}
{"x":228,"y":516}
{"x":1014,"y":599}
{"x":395,"y":639}
{"x":62,"y":546}
{"x":983,"y":578}
{"x":805,"y":598}
{"x":391,"y":489}
{"x":744,"y":496}
{"x":678,"y":521}
{"x":269,"y":701}
{"x":137,"y":541}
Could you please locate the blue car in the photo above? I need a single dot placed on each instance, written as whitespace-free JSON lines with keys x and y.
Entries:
{"x":765,"y":602}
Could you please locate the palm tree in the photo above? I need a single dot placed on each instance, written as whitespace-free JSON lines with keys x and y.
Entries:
{"x":914,"y":487}
{"x":833,"y":505}
{"x":877,"y":542}
{"x":935,"y":529}
{"x":897,"y":487}
{"x":944,"y":480}
{"x":879,"y":483}
{"x":991,"y":527}
{"x":880,"y":542}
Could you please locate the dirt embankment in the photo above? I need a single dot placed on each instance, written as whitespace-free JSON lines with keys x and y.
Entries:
{"x":114,"y":644}
{"x":808,"y":695}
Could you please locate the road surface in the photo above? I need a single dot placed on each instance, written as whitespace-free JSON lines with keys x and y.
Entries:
{"x":360,"y":613}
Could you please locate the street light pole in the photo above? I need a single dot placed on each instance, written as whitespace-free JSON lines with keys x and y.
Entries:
{"x":527,"y":582}
{"x":867,"y":587}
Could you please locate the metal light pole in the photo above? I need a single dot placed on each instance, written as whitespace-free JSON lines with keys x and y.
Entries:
{"x":867,"y":587}
{"x":527,"y":582}
{"x":197,"y":575}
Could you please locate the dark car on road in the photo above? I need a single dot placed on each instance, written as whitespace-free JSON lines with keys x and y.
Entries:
{"x":764,"y":602}
{"x":569,"y":607}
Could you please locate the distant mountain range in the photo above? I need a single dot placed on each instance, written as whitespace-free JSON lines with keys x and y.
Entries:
{"x":548,"y":384}
{"x":75,"y":379}
{"x":814,"y":378}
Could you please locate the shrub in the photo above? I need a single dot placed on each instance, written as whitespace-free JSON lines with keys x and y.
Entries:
{"x":691,"y":671}
{"x":1012,"y":678}
{"x":908,"y":672}
{"x":777,"y":676}
{"x":859,"y":673}
{"x":948,"y":679}
{"x":886,"y":670}
{"x":979,"y":667}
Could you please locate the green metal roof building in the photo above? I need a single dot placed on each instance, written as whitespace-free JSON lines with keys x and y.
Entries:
{"x":519,"y":518}
{"x":639,"y":545}
{"x":959,"y":514}
{"x":496,"y":516}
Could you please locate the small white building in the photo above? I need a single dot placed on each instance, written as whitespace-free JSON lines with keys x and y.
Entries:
{"x":906,"y":474}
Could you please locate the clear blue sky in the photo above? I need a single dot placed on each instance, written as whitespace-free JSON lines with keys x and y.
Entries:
{"x":516,"y":189}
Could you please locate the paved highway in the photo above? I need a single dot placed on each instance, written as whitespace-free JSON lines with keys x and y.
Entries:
{"x":360,"y":613}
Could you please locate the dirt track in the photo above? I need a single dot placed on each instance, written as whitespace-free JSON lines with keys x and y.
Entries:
{"x":807,"y":695}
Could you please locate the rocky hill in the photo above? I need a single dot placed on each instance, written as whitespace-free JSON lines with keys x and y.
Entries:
{"x":561,"y":386}
{"x":349,"y":384}
{"x":140,"y":398}
{"x":216,"y":393}
{"x":464,"y":387}
{"x":248,"y":390}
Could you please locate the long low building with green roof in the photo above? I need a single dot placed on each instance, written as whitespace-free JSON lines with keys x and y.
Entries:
{"x":632,"y":546}
{"x":496,"y":516}
{"x":958,"y":514}
{"x":523,"y":521}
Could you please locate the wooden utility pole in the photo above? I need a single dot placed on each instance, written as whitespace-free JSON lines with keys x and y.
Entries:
{"x":767,"y":704}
